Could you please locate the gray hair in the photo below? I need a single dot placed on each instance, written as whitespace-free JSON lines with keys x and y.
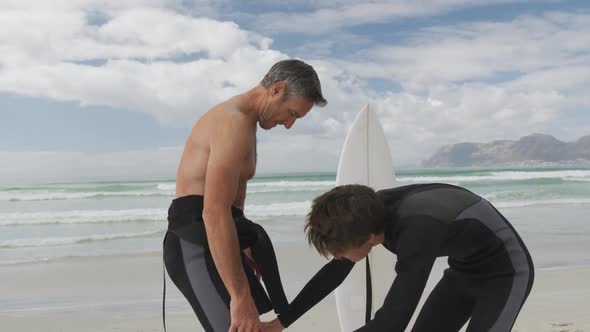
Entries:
{"x":300,"y":80}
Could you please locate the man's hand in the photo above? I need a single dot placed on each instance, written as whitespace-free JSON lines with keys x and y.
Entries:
{"x":272,"y":326}
{"x":244,"y":315}
{"x":251,"y":262}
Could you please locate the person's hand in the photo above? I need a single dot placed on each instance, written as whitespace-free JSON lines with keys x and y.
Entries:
{"x":252,"y":263}
{"x":244,"y":315}
{"x":272,"y":326}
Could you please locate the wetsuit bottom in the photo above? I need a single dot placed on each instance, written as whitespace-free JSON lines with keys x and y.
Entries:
{"x":490,"y":302}
{"x":456,"y":299}
{"x":190,"y":265}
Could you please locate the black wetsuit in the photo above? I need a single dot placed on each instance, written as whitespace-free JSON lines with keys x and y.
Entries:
{"x":190,"y":265}
{"x":490,"y":271}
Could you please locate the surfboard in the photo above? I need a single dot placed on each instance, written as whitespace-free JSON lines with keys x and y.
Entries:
{"x":365,"y":159}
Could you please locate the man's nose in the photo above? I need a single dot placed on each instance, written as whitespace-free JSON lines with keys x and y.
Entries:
{"x":289,"y":123}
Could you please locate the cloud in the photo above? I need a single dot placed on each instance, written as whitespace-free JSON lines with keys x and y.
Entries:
{"x":418,"y":125}
{"x":53,"y":58}
{"x":482,"y":50}
{"x":106,"y":6}
{"x":473,"y":81}
{"x":301,"y":151}
{"x":52,"y":36}
{"x":481,"y":81}
{"x":20,"y":168}
{"x":334,"y":16}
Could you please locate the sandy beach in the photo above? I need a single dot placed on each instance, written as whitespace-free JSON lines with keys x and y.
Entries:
{"x":86,"y":256}
{"x":124,"y":294}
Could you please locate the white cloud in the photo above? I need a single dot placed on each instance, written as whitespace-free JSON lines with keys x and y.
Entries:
{"x":106,"y":6}
{"x":417,"y":127}
{"x":483,"y":50}
{"x":33,"y":167}
{"x":334,"y":16}
{"x":291,"y":153}
{"x":54,"y":36}
{"x":482,"y":81}
{"x":169,"y":91}
{"x":477,"y":81}
{"x":19,"y":168}
{"x":139,"y":47}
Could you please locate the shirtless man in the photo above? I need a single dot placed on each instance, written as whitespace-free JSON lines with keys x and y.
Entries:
{"x":209,"y":240}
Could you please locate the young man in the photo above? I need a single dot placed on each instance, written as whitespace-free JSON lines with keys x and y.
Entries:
{"x":490,"y":271}
{"x":211,"y":251}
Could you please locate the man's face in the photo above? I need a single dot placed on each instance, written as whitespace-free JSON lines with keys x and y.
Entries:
{"x":284,"y":111}
{"x":355,"y":254}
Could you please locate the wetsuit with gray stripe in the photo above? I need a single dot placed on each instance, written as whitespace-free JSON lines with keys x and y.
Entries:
{"x":490,"y":270}
{"x":190,"y":265}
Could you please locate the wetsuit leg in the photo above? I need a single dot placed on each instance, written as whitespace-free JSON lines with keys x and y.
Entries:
{"x":448,"y":306}
{"x":186,"y":264}
{"x":497,"y":305}
{"x":501,"y":296}
{"x":190,"y":264}
{"x":264,"y":255}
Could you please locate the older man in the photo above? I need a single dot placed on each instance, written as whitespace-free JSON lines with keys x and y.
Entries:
{"x":210,"y":247}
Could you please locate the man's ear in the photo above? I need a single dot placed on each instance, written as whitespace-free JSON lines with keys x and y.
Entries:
{"x":278,"y":88}
{"x":373,"y":239}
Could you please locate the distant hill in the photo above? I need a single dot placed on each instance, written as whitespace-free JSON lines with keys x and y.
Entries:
{"x":535,"y":149}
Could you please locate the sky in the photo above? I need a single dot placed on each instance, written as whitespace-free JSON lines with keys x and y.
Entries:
{"x":110,"y":89}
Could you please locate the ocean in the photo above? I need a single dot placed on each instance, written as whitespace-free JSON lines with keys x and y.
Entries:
{"x":48,"y":222}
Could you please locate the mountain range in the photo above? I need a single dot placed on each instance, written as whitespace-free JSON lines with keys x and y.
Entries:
{"x":532,"y":150}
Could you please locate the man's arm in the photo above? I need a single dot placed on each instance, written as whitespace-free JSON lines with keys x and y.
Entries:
{"x":328,"y":278}
{"x":401,"y":300}
{"x":228,"y":150}
{"x":417,"y":249}
{"x":241,"y":195}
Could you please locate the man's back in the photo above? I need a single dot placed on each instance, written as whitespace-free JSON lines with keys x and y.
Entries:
{"x":212,"y":127}
{"x":438,"y":220}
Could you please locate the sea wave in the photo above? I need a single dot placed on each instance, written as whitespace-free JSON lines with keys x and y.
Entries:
{"x":287,"y":183}
{"x":154,"y":190}
{"x":577,"y":179}
{"x":60,"y":241}
{"x":299,"y":208}
{"x":53,"y":196}
{"x":170,"y":187}
{"x":509,"y":195}
{"x":26,"y":260}
{"x":556,"y":201}
{"x":81,"y":216}
{"x":566,"y":175}
{"x":278,"y":209}
{"x":265,"y":190}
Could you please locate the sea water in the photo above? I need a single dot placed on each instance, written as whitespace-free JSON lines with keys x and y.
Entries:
{"x":38,"y":223}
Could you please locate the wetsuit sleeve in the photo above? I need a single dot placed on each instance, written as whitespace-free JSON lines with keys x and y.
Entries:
{"x":416,"y":252}
{"x":323,"y":283}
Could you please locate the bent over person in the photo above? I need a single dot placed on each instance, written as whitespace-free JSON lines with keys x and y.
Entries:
{"x":213,"y":254}
{"x":490,"y":271}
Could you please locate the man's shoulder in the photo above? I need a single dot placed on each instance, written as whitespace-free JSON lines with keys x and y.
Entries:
{"x":227,"y":126}
{"x":227,"y":113}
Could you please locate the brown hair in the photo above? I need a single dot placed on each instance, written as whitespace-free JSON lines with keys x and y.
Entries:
{"x":343,"y":218}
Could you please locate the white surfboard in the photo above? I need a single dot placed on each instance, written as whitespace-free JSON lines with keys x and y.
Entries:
{"x":365,"y":159}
